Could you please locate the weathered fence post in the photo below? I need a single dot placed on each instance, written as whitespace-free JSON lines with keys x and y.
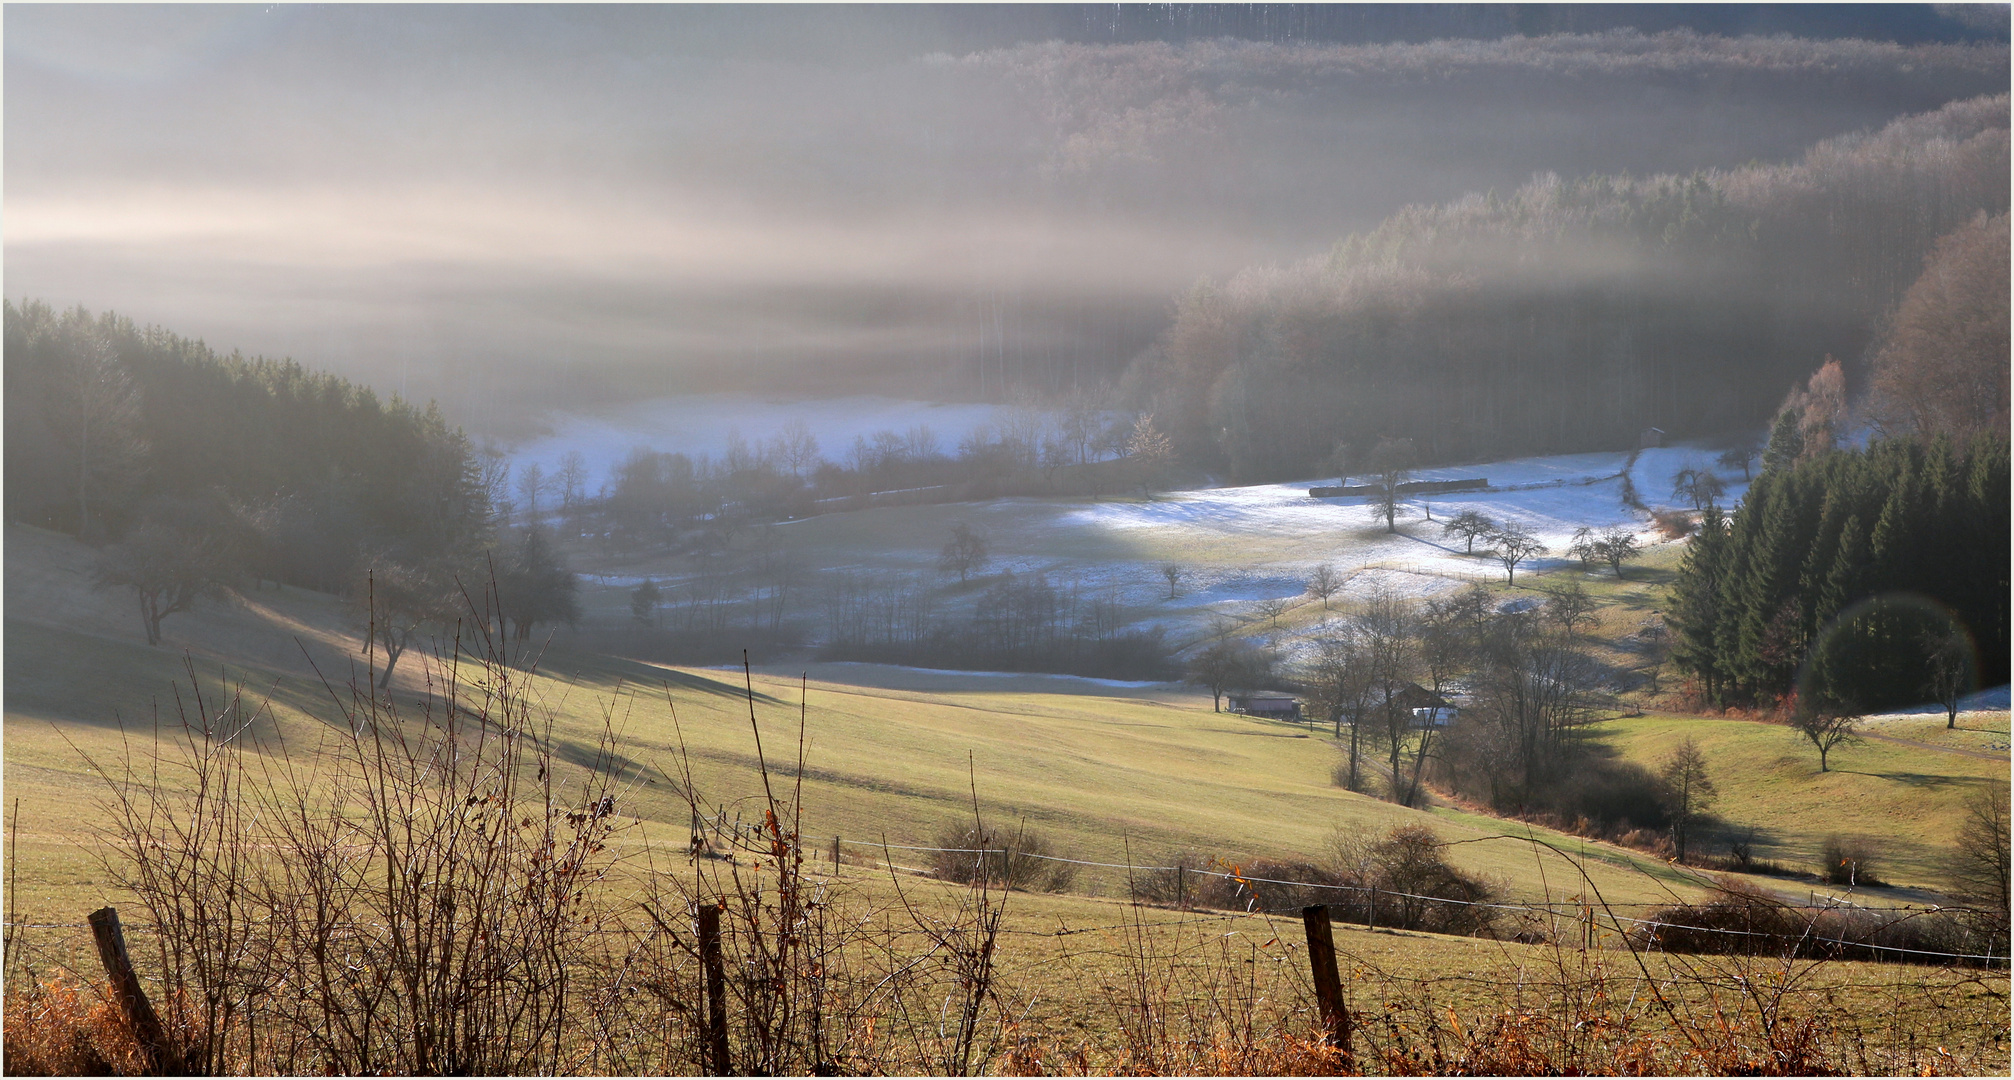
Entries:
{"x":1328,"y":980}
{"x":835,"y":853}
{"x":716,"y":991}
{"x":1181,"y":889}
{"x":126,"y":987}
{"x":1373,"y":924}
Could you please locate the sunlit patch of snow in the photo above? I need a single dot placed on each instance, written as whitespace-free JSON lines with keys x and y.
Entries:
{"x":1992,"y":699}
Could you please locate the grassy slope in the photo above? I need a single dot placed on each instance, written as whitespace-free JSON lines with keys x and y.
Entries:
{"x":1111,"y":774}
{"x":1907,"y":801}
{"x":1108,"y":772}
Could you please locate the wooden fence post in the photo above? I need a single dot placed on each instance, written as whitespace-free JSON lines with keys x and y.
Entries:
{"x":1181,"y":889}
{"x":126,"y":989}
{"x":835,"y":853}
{"x":1328,"y":980}
{"x":716,"y":989}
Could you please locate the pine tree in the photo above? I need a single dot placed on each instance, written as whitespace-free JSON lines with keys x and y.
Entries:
{"x":1698,"y":606}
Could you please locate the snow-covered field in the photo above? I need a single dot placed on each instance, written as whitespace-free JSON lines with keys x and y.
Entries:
{"x":706,"y":423}
{"x":1550,"y":497}
{"x":1993,"y":700}
{"x":1238,"y":551}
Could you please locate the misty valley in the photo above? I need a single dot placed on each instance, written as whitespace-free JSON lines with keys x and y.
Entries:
{"x":1007,"y":539}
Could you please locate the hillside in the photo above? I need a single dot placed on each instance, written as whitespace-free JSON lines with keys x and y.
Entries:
{"x":1114,"y":774}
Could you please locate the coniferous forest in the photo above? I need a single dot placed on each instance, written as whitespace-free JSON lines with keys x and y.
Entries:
{"x":198,"y":472}
{"x":1842,"y":577}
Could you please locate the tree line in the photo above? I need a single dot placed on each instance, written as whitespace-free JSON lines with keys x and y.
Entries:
{"x":1077,"y":444}
{"x":194,"y":472}
{"x":1570,"y":315}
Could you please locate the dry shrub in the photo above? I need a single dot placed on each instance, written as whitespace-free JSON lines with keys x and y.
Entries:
{"x":1847,"y":861}
{"x":1188,"y":879}
{"x":60,"y":1028}
{"x":1023,"y":859}
{"x":1416,"y":887}
{"x":1741,"y":920}
{"x":1673,"y":524}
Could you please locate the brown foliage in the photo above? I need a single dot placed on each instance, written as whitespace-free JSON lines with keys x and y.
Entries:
{"x":1944,"y":365}
{"x":58,"y":1027}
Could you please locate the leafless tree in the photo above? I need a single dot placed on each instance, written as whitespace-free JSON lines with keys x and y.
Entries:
{"x":1570,"y":608}
{"x":1226,"y":664}
{"x":1392,"y":462}
{"x":1613,"y":545}
{"x":1943,"y":363}
{"x":572,"y":480}
{"x":493,"y":475}
{"x":1688,"y":792}
{"x":1512,"y":545}
{"x":173,"y":558}
{"x":531,"y":485}
{"x":1981,"y":874}
{"x":1387,"y":635}
{"x":795,"y":446}
{"x":1952,"y":670}
{"x":405,"y":597}
{"x":1324,"y":583}
{"x":1827,"y":729}
{"x":1173,"y":573}
{"x":1699,"y":487}
{"x":964,"y":552}
{"x":1151,"y":451}
{"x":1470,"y":526}
{"x":1740,"y":456}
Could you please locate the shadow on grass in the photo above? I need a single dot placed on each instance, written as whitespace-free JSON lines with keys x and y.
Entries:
{"x":1928,"y":781}
{"x":600,"y":672}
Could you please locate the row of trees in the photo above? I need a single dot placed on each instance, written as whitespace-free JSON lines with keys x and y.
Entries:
{"x":1571,"y":315}
{"x":1856,"y":579}
{"x":653,"y":497}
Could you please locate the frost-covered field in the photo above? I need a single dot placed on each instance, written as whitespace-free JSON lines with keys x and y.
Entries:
{"x":1550,"y":497}
{"x":1237,"y":550}
{"x":706,"y":423}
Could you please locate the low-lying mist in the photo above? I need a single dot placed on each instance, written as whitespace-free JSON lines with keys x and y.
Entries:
{"x":520,"y":209}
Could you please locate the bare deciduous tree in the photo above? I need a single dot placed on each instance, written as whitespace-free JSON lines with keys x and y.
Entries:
{"x":795,"y":447}
{"x":1226,"y":664}
{"x":1688,"y":792}
{"x":1470,"y":526}
{"x":1952,"y":670}
{"x":1151,"y":450}
{"x":98,"y":409}
{"x":1392,"y":461}
{"x":404,"y":597}
{"x":1324,"y":583}
{"x":1827,"y":729}
{"x":1740,"y":456}
{"x":1173,"y":573}
{"x":1512,"y":545}
{"x":964,"y":552}
{"x":172,"y":559}
{"x":1981,"y":874}
{"x":1699,"y":487}
{"x":1943,"y":366}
